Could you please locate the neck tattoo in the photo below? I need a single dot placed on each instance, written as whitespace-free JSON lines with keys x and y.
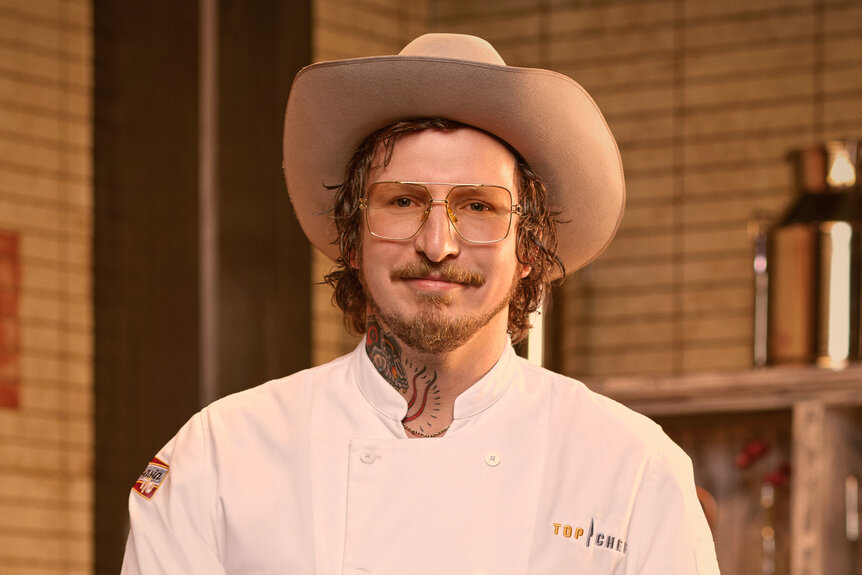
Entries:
{"x":416,"y":383}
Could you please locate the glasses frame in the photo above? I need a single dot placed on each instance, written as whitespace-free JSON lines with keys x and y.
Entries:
{"x":514,"y":208}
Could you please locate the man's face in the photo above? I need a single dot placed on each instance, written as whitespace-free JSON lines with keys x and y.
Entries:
{"x":436,"y":290}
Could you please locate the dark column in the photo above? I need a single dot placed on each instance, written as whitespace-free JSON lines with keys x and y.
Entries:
{"x":264,"y":262}
{"x":146,"y":247}
{"x":148,"y":285}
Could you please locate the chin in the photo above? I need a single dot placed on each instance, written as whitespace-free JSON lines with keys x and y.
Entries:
{"x":436,"y":330}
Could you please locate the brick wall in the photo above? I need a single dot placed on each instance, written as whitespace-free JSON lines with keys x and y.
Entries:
{"x":45,"y":292}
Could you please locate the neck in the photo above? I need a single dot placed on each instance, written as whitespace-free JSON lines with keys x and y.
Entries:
{"x":429,"y":382}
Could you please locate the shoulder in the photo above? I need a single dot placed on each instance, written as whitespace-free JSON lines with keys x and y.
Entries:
{"x":284,"y":392}
{"x":576,"y":410}
{"x":280,"y":408}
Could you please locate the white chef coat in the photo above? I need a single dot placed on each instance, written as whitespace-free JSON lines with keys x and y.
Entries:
{"x":314,"y":474}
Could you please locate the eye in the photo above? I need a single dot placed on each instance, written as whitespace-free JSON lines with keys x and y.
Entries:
{"x":403,"y":202}
{"x":478,"y":207}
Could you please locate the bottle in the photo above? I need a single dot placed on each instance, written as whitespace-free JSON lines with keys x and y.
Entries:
{"x":815,"y":262}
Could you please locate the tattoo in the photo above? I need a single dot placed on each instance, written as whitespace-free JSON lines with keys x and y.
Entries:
{"x":428,"y":387}
{"x":385,"y":353}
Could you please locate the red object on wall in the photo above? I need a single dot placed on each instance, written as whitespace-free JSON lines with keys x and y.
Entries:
{"x":10,"y":284}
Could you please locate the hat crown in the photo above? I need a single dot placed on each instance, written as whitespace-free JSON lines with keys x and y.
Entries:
{"x":453,"y":47}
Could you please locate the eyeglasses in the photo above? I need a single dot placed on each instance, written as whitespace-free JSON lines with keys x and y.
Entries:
{"x":397,"y":210}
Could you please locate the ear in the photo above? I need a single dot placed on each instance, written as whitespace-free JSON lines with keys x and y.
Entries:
{"x":525,"y":271}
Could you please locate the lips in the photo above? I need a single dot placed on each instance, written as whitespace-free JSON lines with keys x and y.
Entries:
{"x":433,"y":284}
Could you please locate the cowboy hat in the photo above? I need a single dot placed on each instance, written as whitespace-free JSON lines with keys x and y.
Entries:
{"x":547,"y":117}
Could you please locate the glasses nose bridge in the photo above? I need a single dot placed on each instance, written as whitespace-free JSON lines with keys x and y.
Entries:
{"x":443,"y":202}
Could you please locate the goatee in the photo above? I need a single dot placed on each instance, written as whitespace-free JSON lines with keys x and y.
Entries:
{"x":430,"y":330}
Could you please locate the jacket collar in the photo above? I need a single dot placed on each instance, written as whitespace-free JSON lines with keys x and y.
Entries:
{"x":392,"y":405}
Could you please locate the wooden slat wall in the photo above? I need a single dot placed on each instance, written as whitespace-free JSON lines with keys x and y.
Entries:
{"x":46,"y":442}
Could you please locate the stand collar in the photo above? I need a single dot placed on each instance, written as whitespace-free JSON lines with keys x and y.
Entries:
{"x":392,"y":405}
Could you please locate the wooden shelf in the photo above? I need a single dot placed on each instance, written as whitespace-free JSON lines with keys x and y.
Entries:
{"x":752,"y":390}
{"x":813,"y":414}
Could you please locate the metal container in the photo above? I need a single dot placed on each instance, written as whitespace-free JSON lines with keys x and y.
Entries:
{"x":815,"y":259}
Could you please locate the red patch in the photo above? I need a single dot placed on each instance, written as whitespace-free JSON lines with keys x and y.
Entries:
{"x":10,"y":286}
{"x":151,"y":479}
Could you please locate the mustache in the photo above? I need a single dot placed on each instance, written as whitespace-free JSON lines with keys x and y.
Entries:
{"x":446,"y":272}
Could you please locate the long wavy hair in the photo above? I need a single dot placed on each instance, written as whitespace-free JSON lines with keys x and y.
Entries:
{"x":536,"y":228}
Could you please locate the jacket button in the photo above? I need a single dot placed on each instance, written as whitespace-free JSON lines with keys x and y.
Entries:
{"x":492,"y":458}
{"x":367,"y":456}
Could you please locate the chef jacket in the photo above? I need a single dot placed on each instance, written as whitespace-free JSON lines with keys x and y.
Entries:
{"x":314,"y":474}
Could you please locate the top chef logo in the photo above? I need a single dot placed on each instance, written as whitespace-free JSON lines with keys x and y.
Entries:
{"x":592,"y":537}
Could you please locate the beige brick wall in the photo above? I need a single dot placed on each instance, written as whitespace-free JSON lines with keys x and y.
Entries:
{"x":46,"y":442}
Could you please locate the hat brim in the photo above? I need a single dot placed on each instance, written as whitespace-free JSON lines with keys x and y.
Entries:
{"x":549,"y":118}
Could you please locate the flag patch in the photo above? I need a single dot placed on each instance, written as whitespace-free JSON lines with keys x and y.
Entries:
{"x":151,"y":479}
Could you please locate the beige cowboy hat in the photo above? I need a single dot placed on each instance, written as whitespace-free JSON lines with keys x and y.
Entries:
{"x":549,"y":118}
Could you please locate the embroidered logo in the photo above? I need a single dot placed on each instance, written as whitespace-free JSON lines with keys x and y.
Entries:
{"x":590,"y":537}
{"x":151,"y":479}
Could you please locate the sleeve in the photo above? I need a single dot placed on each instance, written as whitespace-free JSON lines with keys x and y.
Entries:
{"x":173,"y":509}
{"x":668,"y":524}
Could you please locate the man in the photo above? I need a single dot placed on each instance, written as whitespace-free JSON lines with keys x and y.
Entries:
{"x":450,"y":189}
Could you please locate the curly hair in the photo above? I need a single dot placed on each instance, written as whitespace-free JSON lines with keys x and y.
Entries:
{"x":536,"y":242}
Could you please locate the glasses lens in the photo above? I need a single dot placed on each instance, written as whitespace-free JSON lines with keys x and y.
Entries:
{"x":396,"y":210}
{"x":481,"y":213}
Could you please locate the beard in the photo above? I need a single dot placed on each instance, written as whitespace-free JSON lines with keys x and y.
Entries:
{"x":431,"y":330}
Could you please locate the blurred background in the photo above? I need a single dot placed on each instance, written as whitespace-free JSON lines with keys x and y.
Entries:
{"x":150,"y":262}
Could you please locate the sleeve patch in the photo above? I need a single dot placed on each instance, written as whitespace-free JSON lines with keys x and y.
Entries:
{"x":151,"y":479}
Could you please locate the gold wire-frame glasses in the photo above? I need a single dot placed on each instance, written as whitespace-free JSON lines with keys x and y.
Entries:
{"x":480,"y":213}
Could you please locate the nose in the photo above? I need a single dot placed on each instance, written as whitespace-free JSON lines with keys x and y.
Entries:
{"x":437,"y":240}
